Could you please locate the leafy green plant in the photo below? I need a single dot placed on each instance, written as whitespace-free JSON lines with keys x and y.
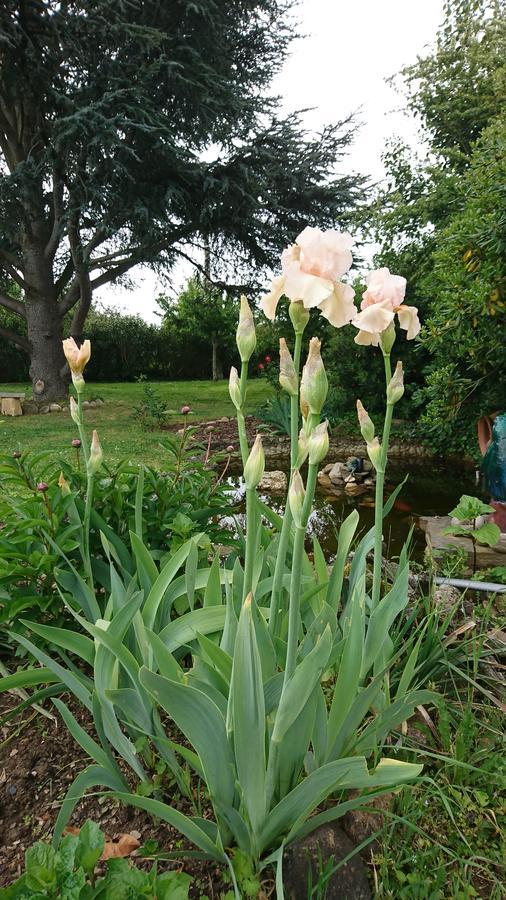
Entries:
{"x":151,"y":413}
{"x":467,"y":513}
{"x":272,"y":680}
{"x":69,"y":872}
{"x":43,"y":529}
{"x":275,"y":414}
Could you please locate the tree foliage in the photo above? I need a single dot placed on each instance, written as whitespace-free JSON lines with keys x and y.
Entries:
{"x":439,"y":219}
{"x":132,"y":130}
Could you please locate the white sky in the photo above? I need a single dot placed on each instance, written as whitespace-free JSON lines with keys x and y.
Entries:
{"x":339,"y":66}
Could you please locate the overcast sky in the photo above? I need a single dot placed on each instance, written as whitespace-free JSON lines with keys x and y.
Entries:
{"x":338,"y":66}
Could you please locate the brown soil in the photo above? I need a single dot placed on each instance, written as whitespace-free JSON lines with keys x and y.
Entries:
{"x":223,"y":433}
{"x":38,"y":762}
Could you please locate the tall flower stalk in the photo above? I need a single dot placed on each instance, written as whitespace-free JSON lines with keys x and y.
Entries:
{"x":77,"y":358}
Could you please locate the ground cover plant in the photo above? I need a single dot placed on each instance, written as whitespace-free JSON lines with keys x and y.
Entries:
{"x":268,"y":686}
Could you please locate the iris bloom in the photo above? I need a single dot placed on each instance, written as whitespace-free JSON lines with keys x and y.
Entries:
{"x":311,"y":270}
{"x":382,"y":300}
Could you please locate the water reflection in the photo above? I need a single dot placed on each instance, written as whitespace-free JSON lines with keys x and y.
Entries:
{"x":431,"y":490}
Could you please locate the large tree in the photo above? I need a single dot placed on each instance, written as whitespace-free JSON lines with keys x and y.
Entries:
{"x":130,"y":132}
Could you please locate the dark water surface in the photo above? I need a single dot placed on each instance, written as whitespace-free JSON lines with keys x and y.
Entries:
{"x":432,"y":489}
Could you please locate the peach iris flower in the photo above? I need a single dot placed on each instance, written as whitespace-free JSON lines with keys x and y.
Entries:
{"x":311,"y":270}
{"x":382,"y":300}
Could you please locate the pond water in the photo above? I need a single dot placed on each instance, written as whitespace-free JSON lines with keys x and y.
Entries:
{"x":432,"y":489}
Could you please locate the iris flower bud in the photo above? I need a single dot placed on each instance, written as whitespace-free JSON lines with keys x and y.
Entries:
{"x":387,"y":338}
{"x":287,"y":374}
{"x":245,"y":338}
{"x":299,"y":316}
{"x":395,"y":388}
{"x":374,"y":452}
{"x":366,"y":423}
{"x":302,"y":449}
{"x":318,"y":443}
{"x":296,"y":497}
{"x":314,"y":383}
{"x":63,"y":485}
{"x":77,"y":357}
{"x":74,"y":411}
{"x":255,"y":465}
{"x":234,"y":388}
{"x":304,"y":405}
{"x":96,"y":455}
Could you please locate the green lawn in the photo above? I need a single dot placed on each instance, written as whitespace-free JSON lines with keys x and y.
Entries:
{"x":120,"y":435}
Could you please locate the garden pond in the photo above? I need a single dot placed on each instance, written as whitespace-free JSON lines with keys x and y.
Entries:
{"x":431,"y":489}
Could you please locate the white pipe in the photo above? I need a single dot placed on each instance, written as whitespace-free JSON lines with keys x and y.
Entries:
{"x":466,"y":583}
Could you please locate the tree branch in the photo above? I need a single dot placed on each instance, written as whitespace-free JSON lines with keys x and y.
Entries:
{"x":13,"y":273}
{"x":21,"y":342}
{"x":55,"y":236}
{"x":8,"y":258}
{"x":218,"y":283}
{"x":70,"y":298}
{"x":12,"y":305}
{"x":82,"y":275}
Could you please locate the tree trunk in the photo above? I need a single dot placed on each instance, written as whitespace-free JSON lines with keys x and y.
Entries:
{"x":47,"y":361}
{"x":217,"y":366}
{"x":44,"y":325}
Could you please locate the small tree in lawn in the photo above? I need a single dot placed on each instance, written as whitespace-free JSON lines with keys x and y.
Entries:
{"x":130,"y":129}
{"x":203,"y":312}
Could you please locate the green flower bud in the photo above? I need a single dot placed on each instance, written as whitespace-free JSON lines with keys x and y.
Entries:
{"x":374,"y":452}
{"x":96,"y":455}
{"x":255,"y":465}
{"x":287,"y":374}
{"x":395,"y":388}
{"x":314,"y":383}
{"x":245,"y":338}
{"x":366,"y":423}
{"x":302,"y":449}
{"x":387,"y":339}
{"x":234,"y":388}
{"x":74,"y":411}
{"x":318,"y":443}
{"x":296,"y":496}
{"x":299,"y":316}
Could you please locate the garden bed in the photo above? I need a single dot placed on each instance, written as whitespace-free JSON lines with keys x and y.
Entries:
{"x":38,"y":762}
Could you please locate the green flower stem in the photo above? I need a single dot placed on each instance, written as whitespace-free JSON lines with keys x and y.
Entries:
{"x":294,"y":403}
{"x":251,"y":532}
{"x":80,"y":428}
{"x":293,"y":619}
{"x":380,"y":484}
{"x":241,"y":422}
{"x":86,"y":530}
{"x":89,"y":494}
{"x":284,"y":537}
{"x":295,"y":583}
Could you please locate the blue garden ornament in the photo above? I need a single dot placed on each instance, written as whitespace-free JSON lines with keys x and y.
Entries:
{"x":493,"y":465}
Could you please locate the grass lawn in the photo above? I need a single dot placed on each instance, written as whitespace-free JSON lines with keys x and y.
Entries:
{"x":120,"y":435}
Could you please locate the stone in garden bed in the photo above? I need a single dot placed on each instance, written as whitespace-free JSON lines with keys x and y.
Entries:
{"x":273,"y":482}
